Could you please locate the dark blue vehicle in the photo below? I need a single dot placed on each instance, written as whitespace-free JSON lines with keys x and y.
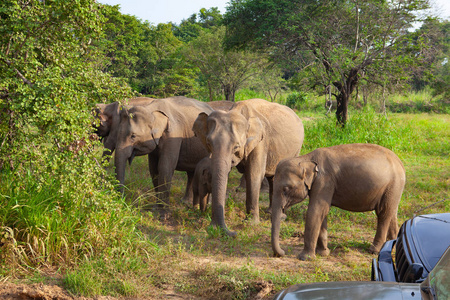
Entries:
{"x":420,"y":243}
{"x":420,"y":270}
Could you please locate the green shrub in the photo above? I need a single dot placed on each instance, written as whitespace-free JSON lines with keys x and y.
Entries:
{"x":296,"y":100}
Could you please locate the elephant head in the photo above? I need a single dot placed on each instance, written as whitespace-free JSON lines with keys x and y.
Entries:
{"x":108,"y":116}
{"x":139,"y":134}
{"x":230,"y":136}
{"x":292,"y":182}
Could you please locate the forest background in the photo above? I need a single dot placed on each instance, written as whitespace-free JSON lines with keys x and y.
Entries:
{"x":63,"y":221}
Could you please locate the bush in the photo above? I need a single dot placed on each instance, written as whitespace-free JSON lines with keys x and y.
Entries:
{"x":296,"y":100}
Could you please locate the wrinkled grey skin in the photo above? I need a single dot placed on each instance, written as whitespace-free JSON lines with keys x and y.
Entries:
{"x":109,"y":115}
{"x":163,"y":130}
{"x":253,"y":136}
{"x":221,"y":105}
{"x":201,"y":183}
{"x":353,"y":177}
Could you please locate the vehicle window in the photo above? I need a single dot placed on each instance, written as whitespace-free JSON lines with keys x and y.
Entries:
{"x":440,"y":277}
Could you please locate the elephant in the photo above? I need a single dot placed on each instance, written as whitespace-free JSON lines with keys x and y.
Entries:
{"x":163,"y":130}
{"x":353,"y":177}
{"x":254,"y":135}
{"x":109,"y":115}
{"x":201,"y":183}
{"x":221,"y":105}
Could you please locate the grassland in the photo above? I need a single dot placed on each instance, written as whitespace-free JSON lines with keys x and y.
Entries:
{"x":183,"y":256}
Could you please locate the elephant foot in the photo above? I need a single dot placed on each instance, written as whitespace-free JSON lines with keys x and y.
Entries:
{"x":306,"y":255}
{"x":279,"y":253}
{"x":219,"y":230}
{"x":252,"y":219}
{"x":374,"y":250}
{"x":323,"y":252}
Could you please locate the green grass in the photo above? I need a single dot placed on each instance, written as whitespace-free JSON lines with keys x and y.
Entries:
{"x":119,"y":247}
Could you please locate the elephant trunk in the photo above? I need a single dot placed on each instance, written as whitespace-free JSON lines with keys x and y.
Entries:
{"x":220,"y":170}
{"x":276,"y":220}
{"x":120,"y":161}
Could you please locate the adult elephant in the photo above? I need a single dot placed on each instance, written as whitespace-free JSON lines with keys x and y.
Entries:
{"x":253,"y":136}
{"x":109,"y":116}
{"x":163,"y":130}
{"x":354,"y":177}
{"x":221,"y":105}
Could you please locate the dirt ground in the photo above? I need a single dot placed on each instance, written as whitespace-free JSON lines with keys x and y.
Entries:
{"x":39,"y":291}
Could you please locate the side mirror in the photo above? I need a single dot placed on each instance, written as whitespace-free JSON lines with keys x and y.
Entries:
{"x":413,"y":273}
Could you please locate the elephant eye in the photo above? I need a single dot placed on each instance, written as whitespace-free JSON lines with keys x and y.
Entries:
{"x":133,"y":136}
{"x":286,"y":190}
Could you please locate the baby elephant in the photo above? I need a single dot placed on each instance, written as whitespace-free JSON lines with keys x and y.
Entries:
{"x":354,"y":177}
{"x":201,"y":183}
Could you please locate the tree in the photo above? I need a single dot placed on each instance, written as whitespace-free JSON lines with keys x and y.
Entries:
{"x":435,"y":71}
{"x":191,"y":27}
{"x":342,"y":40}
{"x":50,"y":80}
{"x":143,"y":54}
{"x":220,"y":69}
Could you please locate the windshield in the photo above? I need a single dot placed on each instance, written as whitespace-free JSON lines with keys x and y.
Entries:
{"x":439,"y":278}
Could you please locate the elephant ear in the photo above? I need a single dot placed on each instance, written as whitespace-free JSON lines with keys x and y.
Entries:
{"x":310,"y":170}
{"x":160,"y":124}
{"x":255,"y":134}
{"x":200,"y":127}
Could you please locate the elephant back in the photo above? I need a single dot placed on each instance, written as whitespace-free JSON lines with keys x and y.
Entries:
{"x":284,"y":132}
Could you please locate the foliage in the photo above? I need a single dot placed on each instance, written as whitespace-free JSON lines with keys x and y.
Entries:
{"x":343,"y":40}
{"x":436,"y":70}
{"x":225,"y":71}
{"x":190,"y":28}
{"x":145,"y":55}
{"x":58,"y":205}
{"x":296,"y":99}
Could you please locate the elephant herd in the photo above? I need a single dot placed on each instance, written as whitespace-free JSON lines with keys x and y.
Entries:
{"x":262,"y":140}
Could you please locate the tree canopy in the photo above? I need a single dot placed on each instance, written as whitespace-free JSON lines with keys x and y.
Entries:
{"x":343,"y":41}
{"x":50,"y":79}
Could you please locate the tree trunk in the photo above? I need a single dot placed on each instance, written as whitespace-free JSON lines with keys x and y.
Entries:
{"x":345,"y":89}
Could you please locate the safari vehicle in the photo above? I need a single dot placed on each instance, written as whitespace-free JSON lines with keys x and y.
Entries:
{"x":436,"y":286}
{"x":420,"y":243}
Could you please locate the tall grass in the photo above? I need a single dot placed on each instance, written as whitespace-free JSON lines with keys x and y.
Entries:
{"x":43,"y":226}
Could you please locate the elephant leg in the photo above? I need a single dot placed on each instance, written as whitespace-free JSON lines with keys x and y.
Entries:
{"x":386,"y":212}
{"x":393,"y":228}
{"x":270,"y":181}
{"x":322,"y":242}
{"x":188,"y":193}
{"x":254,"y":175}
{"x":253,"y":186}
{"x":153,"y":168}
{"x":166,"y":168}
{"x":317,"y":211}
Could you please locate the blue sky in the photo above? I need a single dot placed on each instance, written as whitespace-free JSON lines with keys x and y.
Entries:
{"x":164,"y":11}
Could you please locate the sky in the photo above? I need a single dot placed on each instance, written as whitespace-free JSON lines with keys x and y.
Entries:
{"x":164,"y":11}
